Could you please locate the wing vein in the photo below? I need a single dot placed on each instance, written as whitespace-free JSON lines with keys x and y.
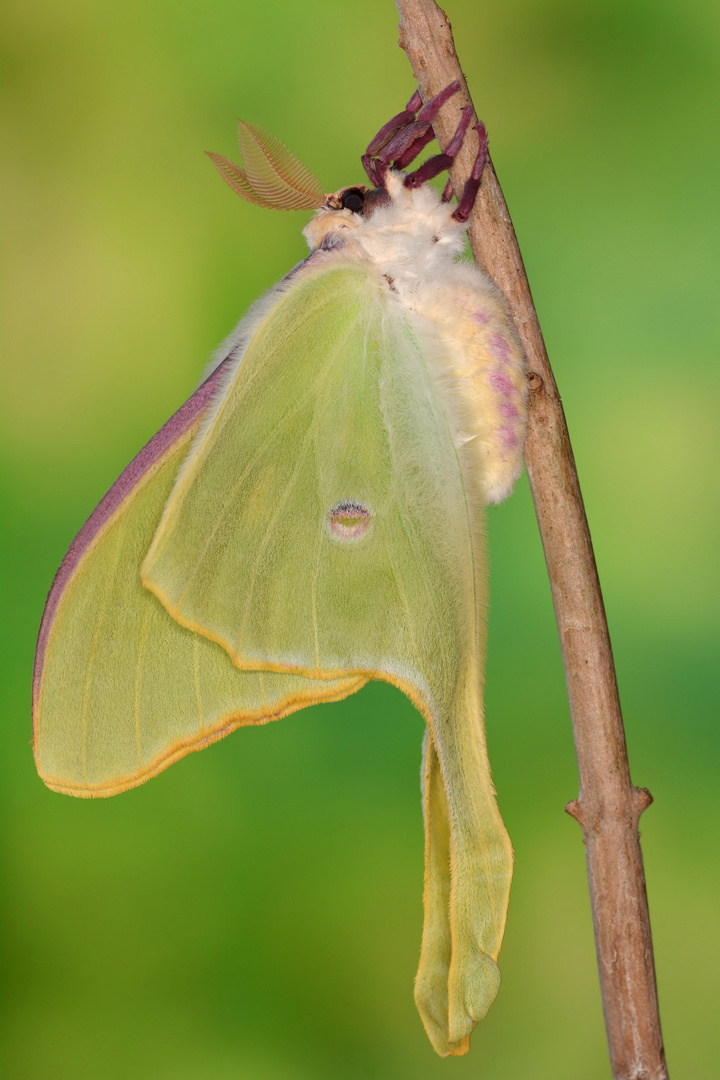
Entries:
{"x":196,"y":672}
{"x":138,"y":677}
{"x":94,"y":648}
{"x":268,"y":532}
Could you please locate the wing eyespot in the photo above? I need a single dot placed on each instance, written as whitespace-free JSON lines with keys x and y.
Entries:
{"x":348,"y":520}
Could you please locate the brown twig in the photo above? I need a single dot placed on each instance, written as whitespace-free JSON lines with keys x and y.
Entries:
{"x":608,"y":806}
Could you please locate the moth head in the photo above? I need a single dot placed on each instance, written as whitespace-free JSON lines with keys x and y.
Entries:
{"x":342,"y":212}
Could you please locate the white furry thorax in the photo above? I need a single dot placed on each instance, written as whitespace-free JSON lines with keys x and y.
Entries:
{"x":411,"y":239}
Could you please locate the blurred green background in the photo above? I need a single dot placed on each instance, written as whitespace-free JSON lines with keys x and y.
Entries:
{"x":255,"y":912}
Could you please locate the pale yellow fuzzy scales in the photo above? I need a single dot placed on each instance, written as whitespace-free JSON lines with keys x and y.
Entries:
{"x":485,"y":383}
{"x":313,"y":518}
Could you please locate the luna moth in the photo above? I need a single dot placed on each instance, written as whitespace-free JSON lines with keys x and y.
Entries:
{"x":312,"y":518}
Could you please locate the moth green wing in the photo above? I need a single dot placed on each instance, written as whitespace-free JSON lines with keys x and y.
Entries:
{"x":321,"y":525}
{"x":121,"y":690}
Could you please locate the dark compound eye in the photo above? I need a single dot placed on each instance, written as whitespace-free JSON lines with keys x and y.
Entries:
{"x":353,"y":199}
